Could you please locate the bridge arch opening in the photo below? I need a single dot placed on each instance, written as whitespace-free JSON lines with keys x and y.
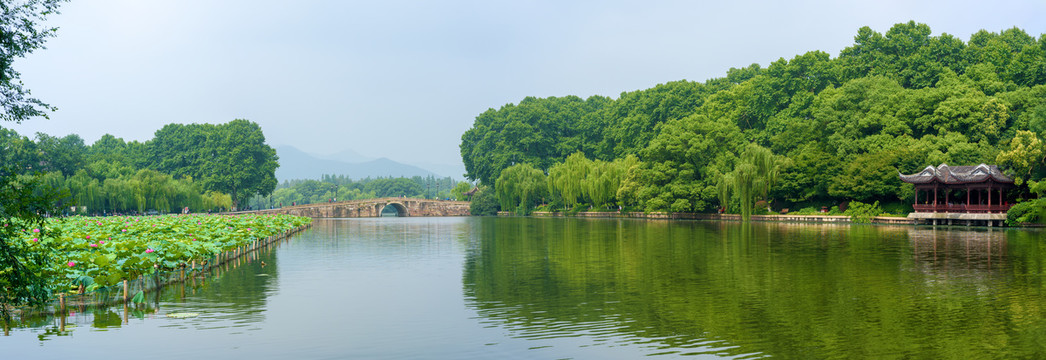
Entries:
{"x":394,"y":209}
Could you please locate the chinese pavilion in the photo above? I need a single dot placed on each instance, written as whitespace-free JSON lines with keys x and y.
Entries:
{"x":965,"y":193}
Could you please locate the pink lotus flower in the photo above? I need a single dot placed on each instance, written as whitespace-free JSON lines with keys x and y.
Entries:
{"x":88,"y":237}
{"x":101,"y":242}
{"x":149,"y":251}
{"x":124,"y":230}
{"x":36,"y":240}
{"x":93,"y":245}
{"x":36,"y":230}
{"x":71,"y":264}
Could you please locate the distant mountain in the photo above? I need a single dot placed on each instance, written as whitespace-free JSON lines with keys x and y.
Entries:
{"x":348,"y":155}
{"x":297,"y":164}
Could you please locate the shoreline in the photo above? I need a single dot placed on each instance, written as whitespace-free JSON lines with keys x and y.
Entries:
{"x":663,"y":215}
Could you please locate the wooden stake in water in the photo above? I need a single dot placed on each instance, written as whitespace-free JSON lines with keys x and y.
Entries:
{"x":124,"y":291}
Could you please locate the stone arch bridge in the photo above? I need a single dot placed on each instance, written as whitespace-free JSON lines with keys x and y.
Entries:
{"x":374,"y":207}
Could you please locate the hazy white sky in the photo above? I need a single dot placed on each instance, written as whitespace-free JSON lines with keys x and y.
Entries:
{"x":404,"y":79}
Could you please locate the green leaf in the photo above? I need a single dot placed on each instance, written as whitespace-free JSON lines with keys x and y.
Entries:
{"x":114,"y":278}
{"x":101,"y":260}
{"x":84,"y":281}
{"x":139,"y":297}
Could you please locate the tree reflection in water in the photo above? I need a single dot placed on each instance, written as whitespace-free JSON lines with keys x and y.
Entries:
{"x":762,"y":289}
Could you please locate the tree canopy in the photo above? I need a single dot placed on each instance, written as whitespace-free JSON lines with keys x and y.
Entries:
{"x":21,"y":32}
{"x":231,"y":158}
{"x":199,"y":166}
{"x":841,"y":128}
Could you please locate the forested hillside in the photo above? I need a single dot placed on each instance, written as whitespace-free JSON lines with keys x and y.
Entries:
{"x":813,"y":129}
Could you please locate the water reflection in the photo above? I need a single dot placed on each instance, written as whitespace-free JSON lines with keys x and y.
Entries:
{"x":234,"y":295}
{"x":763,"y":289}
{"x":481,"y":288}
{"x":948,"y":251}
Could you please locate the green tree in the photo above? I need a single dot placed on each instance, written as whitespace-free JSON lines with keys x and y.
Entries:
{"x":242,"y":165}
{"x":231,"y":158}
{"x":484,"y":203}
{"x":25,"y":267}
{"x":565,"y":179}
{"x":520,"y":187}
{"x":22,"y":32}
{"x":753,"y":177}
{"x":1025,"y":154}
{"x":537,"y":131}
{"x":23,"y":200}
{"x":459,"y":190}
{"x":394,"y":187}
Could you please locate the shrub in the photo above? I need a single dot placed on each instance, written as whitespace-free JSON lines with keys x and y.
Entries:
{"x":681,"y":205}
{"x":898,"y":208}
{"x":863,"y":213}
{"x":484,"y":202}
{"x":1032,"y":211}
{"x":807,"y":211}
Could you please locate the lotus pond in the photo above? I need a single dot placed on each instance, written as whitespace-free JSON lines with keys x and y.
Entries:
{"x":92,"y":254}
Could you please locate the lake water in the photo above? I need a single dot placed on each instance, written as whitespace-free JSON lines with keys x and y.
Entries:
{"x":531,"y":288}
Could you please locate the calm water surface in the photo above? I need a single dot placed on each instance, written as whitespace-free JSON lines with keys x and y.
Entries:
{"x":483,"y":288}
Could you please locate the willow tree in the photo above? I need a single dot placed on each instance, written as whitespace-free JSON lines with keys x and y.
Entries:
{"x":604,"y":179}
{"x":519,"y":187}
{"x":755,"y":174}
{"x":565,"y":179}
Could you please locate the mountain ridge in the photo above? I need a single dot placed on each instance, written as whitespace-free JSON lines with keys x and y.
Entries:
{"x":297,"y":164}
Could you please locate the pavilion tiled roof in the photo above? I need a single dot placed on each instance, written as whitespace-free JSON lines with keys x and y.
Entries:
{"x":957,"y":175}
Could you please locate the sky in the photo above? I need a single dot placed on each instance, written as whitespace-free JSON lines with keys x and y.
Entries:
{"x":404,"y":79}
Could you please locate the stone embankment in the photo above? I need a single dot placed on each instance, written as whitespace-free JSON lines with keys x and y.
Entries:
{"x":727,"y":217}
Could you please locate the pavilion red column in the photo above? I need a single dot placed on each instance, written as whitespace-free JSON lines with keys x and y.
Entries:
{"x":934,"y":197}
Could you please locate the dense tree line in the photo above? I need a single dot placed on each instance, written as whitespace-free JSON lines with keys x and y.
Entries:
{"x":231,"y":158}
{"x":200,"y":166}
{"x":835,"y":129}
{"x":343,"y":188}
